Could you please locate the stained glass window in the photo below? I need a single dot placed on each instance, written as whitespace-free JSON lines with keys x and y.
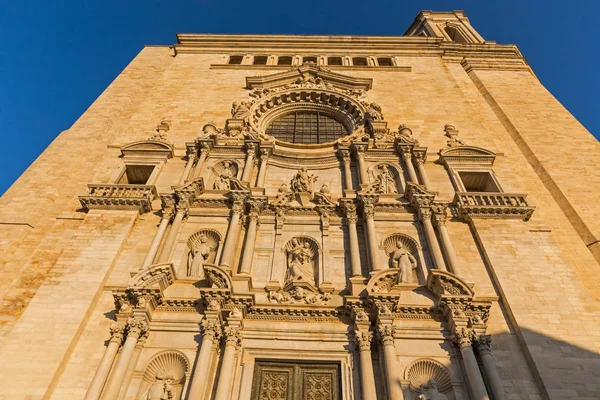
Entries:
{"x":306,"y":127}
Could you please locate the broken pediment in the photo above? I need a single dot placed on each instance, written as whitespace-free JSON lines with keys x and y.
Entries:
{"x":308,"y":75}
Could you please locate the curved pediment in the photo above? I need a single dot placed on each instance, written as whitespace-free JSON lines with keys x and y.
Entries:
{"x":310,"y":75}
{"x":446,"y":284}
{"x":147,"y":148}
{"x":467,"y":155}
{"x":157,"y":276}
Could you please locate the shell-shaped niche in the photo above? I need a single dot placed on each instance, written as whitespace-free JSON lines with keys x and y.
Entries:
{"x":423,"y":370}
{"x":213,"y":240}
{"x":172,"y":364}
{"x":390,"y":244}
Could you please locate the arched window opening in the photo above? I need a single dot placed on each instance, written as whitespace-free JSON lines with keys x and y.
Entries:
{"x":455,"y":35}
{"x":307,"y":127}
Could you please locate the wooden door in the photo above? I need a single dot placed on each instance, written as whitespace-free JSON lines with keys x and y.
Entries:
{"x":295,"y":381}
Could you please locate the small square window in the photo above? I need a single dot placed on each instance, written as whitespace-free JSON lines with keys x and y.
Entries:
{"x":311,"y":59}
{"x":234,"y":60}
{"x":136,"y":174}
{"x":359,"y":61}
{"x":385,"y":62}
{"x":478,"y":181}
{"x":334,"y":60}
{"x":284,"y":60}
{"x":260,"y":60}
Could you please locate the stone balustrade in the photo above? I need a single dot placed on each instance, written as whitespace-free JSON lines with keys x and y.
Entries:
{"x":119,"y":197}
{"x":493,"y":205}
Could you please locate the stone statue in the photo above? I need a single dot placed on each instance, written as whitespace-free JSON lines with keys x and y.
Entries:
{"x":405,"y":262}
{"x":374,"y":112}
{"x":385,"y":182}
{"x":240,"y":111}
{"x":161,"y":389}
{"x":223,"y":182}
{"x":300,"y":262}
{"x":303,"y":182}
{"x":429,"y":391}
{"x":200,"y":252}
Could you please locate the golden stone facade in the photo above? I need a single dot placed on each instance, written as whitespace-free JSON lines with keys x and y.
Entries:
{"x":309,"y":217}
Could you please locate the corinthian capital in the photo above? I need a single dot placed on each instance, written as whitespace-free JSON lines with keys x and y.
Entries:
{"x":137,"y":326}
{"x":424,"y":214}
{"x":363,"y":339}
{"x":232,"y":335}
{"x":116,"y":332}
{"x":462,"y":337}
{"x":439,"y":214}
{"x":483,"y":344}
{"x":211,"y":328}
{"x":385,"y":332}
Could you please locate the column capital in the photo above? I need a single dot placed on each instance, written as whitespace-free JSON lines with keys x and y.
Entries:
{"x":385,"y":333}
{"x":211,"y":328}
{"x":350,"y":211}
{"x":406,"y":154}
{"x":420,"y":155}
{"x":204,"y":147}
{"x":363,"y":339}
{"x":265,"y":153}
{"x":251,"y":149}
{"x":191,"y":152}
{"x":256,"y":205}
{"x":439,"y":213}
{"x":483,"y":344}
{"x":116,"y":332}
{"x":137,"y":326}
{"x":462,"y":337}
{"x":232,"y":335}
{"x":345,"y":155}
{"x":424,"y":214}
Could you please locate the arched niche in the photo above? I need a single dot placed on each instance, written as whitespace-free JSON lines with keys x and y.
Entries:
{"x":307,"y":247}
{"x":223,"y":171}
{"x":168,"y":368}
{"x":389,"y":245}
{"x":213,"y":240}
{"x":377,"y":171}
{"x":422,"y":371}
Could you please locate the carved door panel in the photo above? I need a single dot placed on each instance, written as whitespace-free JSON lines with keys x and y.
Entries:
{"x":295,"y":381}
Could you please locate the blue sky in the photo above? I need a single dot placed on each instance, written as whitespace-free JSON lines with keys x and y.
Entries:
{"x":57,"y":56}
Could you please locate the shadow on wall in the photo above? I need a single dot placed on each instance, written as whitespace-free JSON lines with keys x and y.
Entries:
{"x":561,"y":370}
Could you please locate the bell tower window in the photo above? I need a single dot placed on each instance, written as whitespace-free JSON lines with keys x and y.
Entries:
{"x":306,"y":127}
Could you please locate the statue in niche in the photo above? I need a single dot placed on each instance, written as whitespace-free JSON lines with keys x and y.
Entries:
{"x":240,"y":111}
{"x":300,"y":261}
{"x":384,"y":181}
{"x":161,"y":389}
{"x":405,"y":262}
{"x":223,"y":182}
{"x":429,"y":391}
{"x":303,"y":182}
{"x":201,"y":252}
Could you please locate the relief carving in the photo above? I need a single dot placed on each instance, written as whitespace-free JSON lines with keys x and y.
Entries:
{"x":429,"y":391}
{"x":383,"y":180}
{"x":302,"y":182}
{"x":161,"y":389}
{"x":298,"y":295}
{"x":300,"y":260}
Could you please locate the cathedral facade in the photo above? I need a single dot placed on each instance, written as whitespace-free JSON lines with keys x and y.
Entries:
{"x":309,"y":217}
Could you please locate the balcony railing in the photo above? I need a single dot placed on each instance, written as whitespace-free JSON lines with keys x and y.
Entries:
{"x":119,"y":197}
{"x":493,"y":205}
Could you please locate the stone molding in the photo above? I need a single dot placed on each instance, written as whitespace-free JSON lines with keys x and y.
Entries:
{"x":119,"y":197}
{"x":486,"y":205}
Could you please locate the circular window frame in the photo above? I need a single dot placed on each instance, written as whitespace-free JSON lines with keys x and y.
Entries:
{"x":339,"y":106}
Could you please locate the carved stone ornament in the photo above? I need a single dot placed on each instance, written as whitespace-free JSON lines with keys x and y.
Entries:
{"x":119,"y":197}
{"x":116,"y":332}
{"x":298,"y":295}
{"x":483,"y":344}
{"x":363,"y":339}
{"x":384,"y":310}
{"x":236,"y":313}
{"x":429,"y":391}
{"x":383,"y":180}
{"x":137,"y":326}
{"x":213,"y":305}
{"x":427,"y":376}
{"x":211,"y":328}
{"x":452,"y":135}
{"x":302,"y":254}
{"x":462,"y":336}
{"x":404,"y":135}
{"x":385,"y":333}
{"x":161,"y":388}
{"x":232,"y":335}
{"x":361,"y":315}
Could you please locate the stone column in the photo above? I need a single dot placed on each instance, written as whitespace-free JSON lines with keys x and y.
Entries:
{"x":368,"y":203}
{"x":211,"y":331}
{"x":167,"y":214}
{"x":463,"y":337}
{"x":248,"y":251}
{"x":483,"y":344}
{"x":434,"y":246}
{"x":262,"y":171}
{"x":131,"y":367}
{"x":232,"y":334}
{"x":351,"y":220}
{"x":345,"y":155}
{"x":407,"y":158}
{"x":420,"y":157}
{"x":182,"y":209}
{"x":385,"y":331}
{"x":362,"y":168}
{"x":203,"y":154}
{"x":367,"y":377}
{"x":233,"y":233}
{"x":249,"y":165}
{"x":439,"y":220}
{"x":191,"y":157}
{"x":116,"y":338}
{"x":136,"y":327}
